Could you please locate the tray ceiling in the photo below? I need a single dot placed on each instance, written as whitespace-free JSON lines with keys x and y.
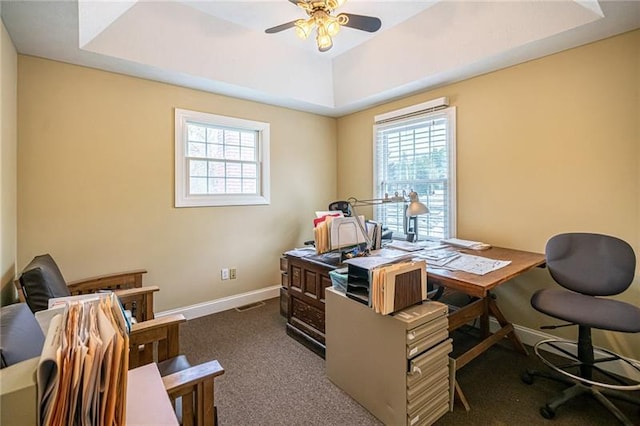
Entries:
{"x":220,"y":46}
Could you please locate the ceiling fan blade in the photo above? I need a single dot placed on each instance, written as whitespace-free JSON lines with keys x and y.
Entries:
{"x":280,"y":27}
{"x":364,"y":23}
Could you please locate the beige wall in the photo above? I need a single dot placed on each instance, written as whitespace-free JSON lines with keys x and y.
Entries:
{"x":548,"y":146}
{"x":96,"y":179}
{"x":8,"y":165}
{"x":544,"y":147}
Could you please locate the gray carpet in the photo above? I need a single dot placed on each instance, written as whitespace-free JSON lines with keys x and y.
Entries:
{"x":270,"y":379}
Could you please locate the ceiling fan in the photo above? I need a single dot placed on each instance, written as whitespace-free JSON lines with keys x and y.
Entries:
{"x":327,"y":25}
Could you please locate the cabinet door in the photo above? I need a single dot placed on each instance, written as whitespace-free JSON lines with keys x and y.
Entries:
{"x":295,"y":276}
{"x":311,"y":283}
{"x":307,"y":282}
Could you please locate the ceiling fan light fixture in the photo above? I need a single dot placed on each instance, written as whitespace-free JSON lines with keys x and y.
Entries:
{"x":323,"y":39}
{"x":303,"y":28}
{"x":334,"y":4}
{"x":333,"y":26}
{"x":325,"y":24}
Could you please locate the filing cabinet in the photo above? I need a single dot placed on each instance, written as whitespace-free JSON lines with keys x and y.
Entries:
{"x":396,"y":366}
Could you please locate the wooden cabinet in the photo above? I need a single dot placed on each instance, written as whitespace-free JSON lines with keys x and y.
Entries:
{"x":307,"y":278}
{"x":284,"y":289}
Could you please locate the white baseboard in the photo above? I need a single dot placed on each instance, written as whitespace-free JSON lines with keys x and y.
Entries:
{"x":530,"y":337}
{"x":224,"y":304}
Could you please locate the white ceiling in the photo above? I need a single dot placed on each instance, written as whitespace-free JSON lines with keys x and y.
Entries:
{"x":220,"y":46}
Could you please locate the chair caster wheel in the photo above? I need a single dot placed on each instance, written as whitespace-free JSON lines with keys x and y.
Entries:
{"x":527,"y":378}
{"x":547,"y":412}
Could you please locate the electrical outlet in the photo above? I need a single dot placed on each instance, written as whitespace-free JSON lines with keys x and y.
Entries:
{"x":224,"y":273}
{"x":232,"y":273}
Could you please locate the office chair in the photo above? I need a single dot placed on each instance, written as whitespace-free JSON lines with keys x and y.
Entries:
{"x":342,"y":206}
{"x":588,"y":266}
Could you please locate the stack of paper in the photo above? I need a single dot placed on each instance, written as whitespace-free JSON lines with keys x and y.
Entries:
{"x":468,"y":244}
{"x":439,"y":257}
{"x":335,"y":232}
{"x":388,"y":294}
{"x":404,"y":245}
{"x":82,"y":373}
{"x":476,"y":264}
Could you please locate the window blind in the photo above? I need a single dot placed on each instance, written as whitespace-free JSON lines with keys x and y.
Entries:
{"x":416,"y":151}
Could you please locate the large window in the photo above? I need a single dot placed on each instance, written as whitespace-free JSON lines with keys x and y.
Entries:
{"x":220,"y":160}
{"x":414,"y":149}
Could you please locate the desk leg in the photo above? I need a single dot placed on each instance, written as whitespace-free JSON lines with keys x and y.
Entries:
{"x":459,"y":396}
{"x":483,"y":309}
{"x":512,"y":336}
{"x":484,"y":318}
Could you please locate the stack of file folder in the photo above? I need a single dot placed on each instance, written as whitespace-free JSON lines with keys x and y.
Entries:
{"x":82,"y":373}
{"x":334,"y":232}
{"x":390,"y":287}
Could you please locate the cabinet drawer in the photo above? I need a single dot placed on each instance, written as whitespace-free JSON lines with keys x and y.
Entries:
{"x":295,"y":277}
{"x":284,"y":264}
{"x":429,"y":394}
{"x":424,"y":330}
{"x":421,"y":363}
{"x":430,"y":412}
{"x":309,"y":315}
{"x":416,"y":374}
{"x":419,"y":346}
{"x":428,"y":382}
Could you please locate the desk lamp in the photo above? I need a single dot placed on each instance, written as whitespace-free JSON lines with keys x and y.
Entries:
{"x":413,"y":208}
{"x":411,"y":212}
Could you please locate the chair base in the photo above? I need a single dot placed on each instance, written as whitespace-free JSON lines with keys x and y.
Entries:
{"x":579,"y":385}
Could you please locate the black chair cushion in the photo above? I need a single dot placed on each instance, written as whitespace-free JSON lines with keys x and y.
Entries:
{"x":596,"y":312}
{"x":42,"y":280}
{"x":22,"y":337}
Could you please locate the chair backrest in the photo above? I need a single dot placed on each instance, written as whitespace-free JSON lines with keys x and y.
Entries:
{"x":22,"y":337}
{"x":40,"y":281}
{"x":592,"y":264}
{"x":342,"y":206}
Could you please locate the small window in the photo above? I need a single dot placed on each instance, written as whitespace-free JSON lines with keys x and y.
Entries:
{"x":220,"y":161}
{"x":415,"y":151}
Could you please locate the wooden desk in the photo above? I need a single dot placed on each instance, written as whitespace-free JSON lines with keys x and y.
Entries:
{"x":307,"y":279}
{"x":484,"y":306}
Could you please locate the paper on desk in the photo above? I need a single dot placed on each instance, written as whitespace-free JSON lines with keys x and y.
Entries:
{"x":476,"y":264}
{"x":301,"y":252}
{"x":468,"y":244}
{"x":404,"y":245}
{"x":368,"y":262}
{"x":391,"y":253}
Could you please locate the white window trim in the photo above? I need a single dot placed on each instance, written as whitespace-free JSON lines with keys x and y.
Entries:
{"x":182,"y":196}
{"x":427,"y":108}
